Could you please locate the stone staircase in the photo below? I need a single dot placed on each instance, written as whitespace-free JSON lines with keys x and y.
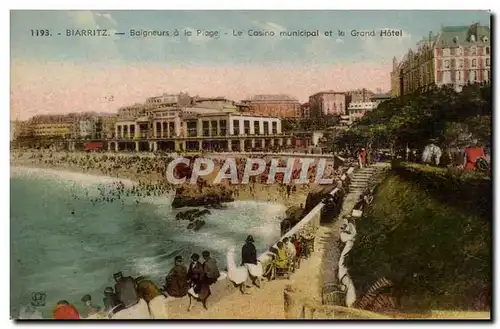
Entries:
{"x":328,"y":235}
{"x":359,"y":182}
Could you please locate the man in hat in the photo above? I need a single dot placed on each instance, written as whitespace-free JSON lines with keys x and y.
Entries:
{"x":110,"y":299}
{"x":126,"y":290}
{"x":89,"y":308}
{"x":248,"y":252}
{"x":210,"y":267}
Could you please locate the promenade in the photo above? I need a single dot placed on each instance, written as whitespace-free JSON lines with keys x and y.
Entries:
{"x":267,"y":302}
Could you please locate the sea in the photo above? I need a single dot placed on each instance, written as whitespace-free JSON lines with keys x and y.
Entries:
{"x":65,"y":245}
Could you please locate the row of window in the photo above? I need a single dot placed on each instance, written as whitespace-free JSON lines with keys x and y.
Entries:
{"x":473,"y":75}
{"x":461,"y":63}
{"x":459,"y":51}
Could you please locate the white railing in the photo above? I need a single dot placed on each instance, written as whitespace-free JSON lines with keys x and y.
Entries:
{"x":313,"y":218}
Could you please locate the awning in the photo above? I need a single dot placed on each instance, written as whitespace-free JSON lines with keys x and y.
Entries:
{"x":94,"y":146}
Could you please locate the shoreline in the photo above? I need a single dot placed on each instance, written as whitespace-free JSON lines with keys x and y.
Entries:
{"x":268,"y":299}
{"x":259,"y":192}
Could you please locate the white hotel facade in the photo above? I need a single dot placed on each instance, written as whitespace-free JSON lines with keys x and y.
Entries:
{"x":192,"y":128}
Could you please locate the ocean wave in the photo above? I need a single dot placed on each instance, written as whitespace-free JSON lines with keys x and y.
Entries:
{"x":84,"y":179}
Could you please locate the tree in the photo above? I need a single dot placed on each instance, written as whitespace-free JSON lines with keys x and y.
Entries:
{"x":412,"y":120}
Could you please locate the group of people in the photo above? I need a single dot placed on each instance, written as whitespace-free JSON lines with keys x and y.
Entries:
{"x":290,"y":251}
{"x":193,"y":280}
{"x":472,"y":157}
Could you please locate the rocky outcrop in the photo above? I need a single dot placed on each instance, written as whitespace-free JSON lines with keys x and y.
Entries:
{"x":212,"y":198}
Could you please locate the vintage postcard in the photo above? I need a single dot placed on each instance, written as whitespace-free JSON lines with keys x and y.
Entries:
{"x":250,"y":165}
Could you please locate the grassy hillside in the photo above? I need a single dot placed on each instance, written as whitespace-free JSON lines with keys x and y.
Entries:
{"x":429,"y":230}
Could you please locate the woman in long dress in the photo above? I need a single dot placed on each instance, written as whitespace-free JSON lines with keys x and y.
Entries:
{"x":200,"y":288}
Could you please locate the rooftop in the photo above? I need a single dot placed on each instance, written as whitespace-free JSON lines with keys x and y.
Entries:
{"x":328,"y":92}
{"x":281,"y":97}
{"x":464,"y":36}
{"x":381,"y":96}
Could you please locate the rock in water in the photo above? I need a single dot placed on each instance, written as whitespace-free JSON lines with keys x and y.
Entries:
{"x":214,"y":197}
{"x":186,"y":214}
{"x":190,"y":226}
{"x":198,"y":224}
{"x":203,"y":212}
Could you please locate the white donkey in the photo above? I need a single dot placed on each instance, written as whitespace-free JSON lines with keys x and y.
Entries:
{"x":238,"y":275}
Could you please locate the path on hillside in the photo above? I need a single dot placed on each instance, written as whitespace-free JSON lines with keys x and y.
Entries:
{"x":267,"y":302}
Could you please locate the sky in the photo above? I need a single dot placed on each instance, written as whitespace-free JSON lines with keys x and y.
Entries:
{"x":61,"y":74}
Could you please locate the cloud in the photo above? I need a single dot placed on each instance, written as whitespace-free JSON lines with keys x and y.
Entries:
{"x":108,"y":17}
{"x":270,"y":26}
{"x":83,"y":18}
{"x":96,"y":47}
{"x":385,"y":48}
{"x":275,"y":27}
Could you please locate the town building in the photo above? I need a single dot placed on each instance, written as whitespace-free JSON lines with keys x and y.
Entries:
{"x":194,"y":128}
{"x":84,"y":127}
{"x":305,"y":111}
{"x":282,"y":106}
{"x":168,"y":100}
{"x":215,"y":103}
{"x":357,"y":110}
{"x":51,"y":126}
{"x":380,"y":97}
{"x":328,"y":103}
{"x":360,"y":95}
{"x":243,"y":107}
{"x":456,"y":56}
{"x":22,"y":129}
{"x":463,"y":55}
{"x":107,"y":122}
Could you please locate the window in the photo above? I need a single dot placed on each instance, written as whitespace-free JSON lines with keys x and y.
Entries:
{"x":474,"y":62}
{"x":446,"y":64}
{"x":461,"y":63}
{"x":458,"y":51}
{"x":236,"y":127}
{"x":487,"y":50}
{"x":487,"y":62}
{"x":459,"y":76}
{"x":473,"y":51}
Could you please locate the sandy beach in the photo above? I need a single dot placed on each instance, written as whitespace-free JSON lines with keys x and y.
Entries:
{"x":56,"y":160}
